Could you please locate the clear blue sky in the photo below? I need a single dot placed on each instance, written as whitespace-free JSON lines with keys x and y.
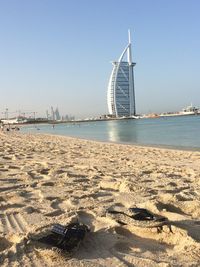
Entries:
{"x":58,"y":53}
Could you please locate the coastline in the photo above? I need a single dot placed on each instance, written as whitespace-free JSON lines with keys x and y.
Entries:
{"x":153,"y":146}
{"x":147,"y":133}
{"x":47,"y":179}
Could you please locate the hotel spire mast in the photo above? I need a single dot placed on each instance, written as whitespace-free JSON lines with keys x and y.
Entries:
{"x":131,"y":78}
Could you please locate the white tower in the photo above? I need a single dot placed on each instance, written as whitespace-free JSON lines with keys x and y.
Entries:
{"x":121,"y":94}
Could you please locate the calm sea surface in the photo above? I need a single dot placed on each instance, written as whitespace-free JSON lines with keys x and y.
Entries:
{"x":178,"y":132}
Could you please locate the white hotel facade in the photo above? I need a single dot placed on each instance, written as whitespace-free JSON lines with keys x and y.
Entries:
{"x":121,"y":93}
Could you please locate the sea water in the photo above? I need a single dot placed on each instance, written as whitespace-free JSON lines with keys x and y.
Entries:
{"x":177,"y":132}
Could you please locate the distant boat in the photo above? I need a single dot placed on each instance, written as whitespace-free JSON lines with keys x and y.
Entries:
{"x":190,"y":110}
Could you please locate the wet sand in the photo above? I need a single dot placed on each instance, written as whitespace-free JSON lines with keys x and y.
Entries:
{"x":48,"y":179}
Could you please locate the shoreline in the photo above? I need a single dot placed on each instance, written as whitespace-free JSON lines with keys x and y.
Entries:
{"x":167,"y":147}
{"x":74,"y":131}
{"x":47,"y":179}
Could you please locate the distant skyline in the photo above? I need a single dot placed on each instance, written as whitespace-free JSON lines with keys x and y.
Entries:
{"x":58,"y":53}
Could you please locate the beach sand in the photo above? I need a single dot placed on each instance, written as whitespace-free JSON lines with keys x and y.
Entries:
{"x":48,"y":179}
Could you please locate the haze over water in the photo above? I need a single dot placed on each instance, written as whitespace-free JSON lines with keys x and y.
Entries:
{"x":178,"y":132}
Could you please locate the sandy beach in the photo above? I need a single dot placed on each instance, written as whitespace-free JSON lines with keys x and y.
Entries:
{"x":48,"y":179}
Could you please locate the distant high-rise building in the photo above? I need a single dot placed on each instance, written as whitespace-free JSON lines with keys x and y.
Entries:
{"x":52,"y":114}
{"x":57,"y":114}
{"x":121,"y":94}
{"x":47,"y":113}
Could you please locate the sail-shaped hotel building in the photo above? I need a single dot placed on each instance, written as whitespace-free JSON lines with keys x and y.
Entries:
{"x":121,"y":93}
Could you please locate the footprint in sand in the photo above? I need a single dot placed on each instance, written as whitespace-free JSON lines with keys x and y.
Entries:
{"x":48,"y":184}
{"x":54,"y":213}
{"x":59,"y":204}
{"x":30,"y":210}
{"x":10,"y":188}
{"x":183,"y":197}
{"x":11,"y":206}
{"x":12,"y":223}
{"x":52,"y":198}
{"x":44,"y":171}
{"x":111,"y":186}
{"x":13,"y":167}
{"x":10,"y":180}
{"x":7,"y":158}
{"x":34,"y":175}
{"x":3,"y":169}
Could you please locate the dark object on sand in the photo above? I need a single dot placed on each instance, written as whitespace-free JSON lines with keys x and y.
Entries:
{"x":141,"y":214}
{"x":65,"y":237}
{"x":139,"y":217}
